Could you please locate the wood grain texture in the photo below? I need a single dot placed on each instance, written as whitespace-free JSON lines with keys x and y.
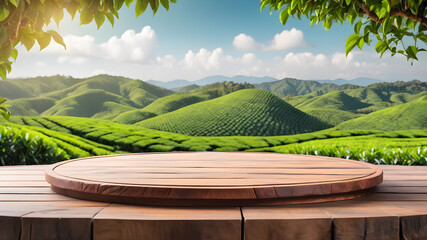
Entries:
{"x":209,"y":179}
{"x":395,"y":208}
{"x":127,"y":222}
{"x":70,"y":223}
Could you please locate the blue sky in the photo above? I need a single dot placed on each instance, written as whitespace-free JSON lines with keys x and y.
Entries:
{"x":196,"y":39}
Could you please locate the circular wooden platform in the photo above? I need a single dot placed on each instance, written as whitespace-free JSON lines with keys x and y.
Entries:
{"x":213,"y":179}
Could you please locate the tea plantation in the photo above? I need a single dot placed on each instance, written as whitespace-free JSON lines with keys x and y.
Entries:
{"x":249,"y":112}
{"x":81,"y":137}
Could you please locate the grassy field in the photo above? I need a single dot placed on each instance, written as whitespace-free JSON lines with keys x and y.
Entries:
{"x":249,"y":112}
{"x":80,"y":137}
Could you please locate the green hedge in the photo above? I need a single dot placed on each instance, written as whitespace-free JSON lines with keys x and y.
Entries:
{"x":22,"y":147}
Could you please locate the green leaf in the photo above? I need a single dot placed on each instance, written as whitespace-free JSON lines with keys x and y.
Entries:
{"x":4,"y":12}
{"x":57,"y":38}
{"x":328,"y":23}
{"x":58,"y":15}
{"x":294,"y":4}
{"x":2,"y":100}
{"x":99,"y":18}
{"x":351,"y":42}
{"x":423,"y":37}
{"x":3,"y":72}
{"x":263,"y":4}
{"x":357,"y":27}
{"x":140,"y":7}
{"x":110,"y":18}
{"x":128,"y":2}
{"x":86,"y":16}
{"x":154,"y":4}
{"x":72,"y":8}
{"x":412,"y":52}
{"x":386,"y":25}
{"x":44,"y":40}
{"x":284,"y":16}
{"x":347,"y":2}
{"x":14,"y":53}
{"x":5,"y":112}
{"x":165,"y":4}
{"x":14,"y":2}
{"x":173,"y":1}
{"x":118,"y":4}
{"x":381,"y":47}
{"x":361,"y":42}
{"x":28,"y":41}
{"x":351,"y":18}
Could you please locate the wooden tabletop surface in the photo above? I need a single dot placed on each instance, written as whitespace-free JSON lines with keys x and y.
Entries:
{"x":29,"y":209}
{"x":212,"y":177}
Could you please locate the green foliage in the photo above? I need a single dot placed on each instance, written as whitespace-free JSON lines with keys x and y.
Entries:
{"x":4,"y":111}
{"x":398,"y":26}
{"x":398,"y":147}
{"x":249,"y":112}
{"x":376,"y":149}
{"x":21,"y":147}
{"x":25,"y":21}
{"x":412,"y":115}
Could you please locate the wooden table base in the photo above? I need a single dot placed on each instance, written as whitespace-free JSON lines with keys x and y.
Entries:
{"x":29,"y":209}
{"x":213,"y":179}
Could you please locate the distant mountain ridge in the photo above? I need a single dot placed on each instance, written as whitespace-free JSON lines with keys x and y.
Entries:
{"x":356,"y":81}
{"x":179,"y":83}
{"x":176,"y":84}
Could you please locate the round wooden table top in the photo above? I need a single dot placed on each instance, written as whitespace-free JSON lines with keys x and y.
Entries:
{"x":213,"y":178}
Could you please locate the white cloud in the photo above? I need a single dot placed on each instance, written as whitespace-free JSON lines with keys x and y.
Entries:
{"x":130,"y":47}
{"x":41,"y":63}
{"x":282,"y":41}
{"x":287,"y":40}
{"x":243,"y":42}
{"x":340,"y":60}
{"x":133,"y":55}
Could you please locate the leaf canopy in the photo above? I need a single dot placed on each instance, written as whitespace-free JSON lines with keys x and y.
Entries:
{"x":24,"y":21}
{"x":398,"y":26}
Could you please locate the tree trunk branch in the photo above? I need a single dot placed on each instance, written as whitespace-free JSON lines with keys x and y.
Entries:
{"x":408,"y":14}
{"x":368,"y":12}
{"x":397,"y":12}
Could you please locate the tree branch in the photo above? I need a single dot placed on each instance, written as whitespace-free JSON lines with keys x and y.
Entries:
{"x":395,"y":12}
{"x":408,"y":14}
{"x":368,"y":12}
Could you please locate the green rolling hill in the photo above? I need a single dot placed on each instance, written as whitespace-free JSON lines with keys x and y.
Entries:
{"x":31,"y":106}
{"x":340,"y":106}
{"x":88,"y":104}
{"x":334,"y":100}
{"x":333,"y":107}
{"x":101,"y":96}
{"x":295,"y":87}
{"x":249,"y":112}
{"x":406,"y":116}
{"x":178,"y":100}
{"x":35,"y":87}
